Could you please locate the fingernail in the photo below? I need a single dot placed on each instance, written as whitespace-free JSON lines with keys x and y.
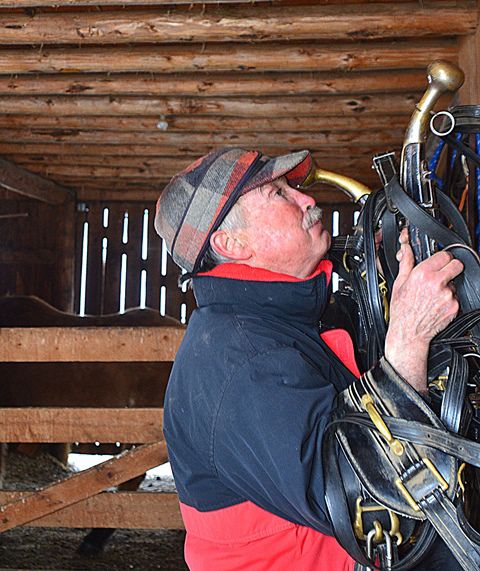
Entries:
{"x":400,"y":255}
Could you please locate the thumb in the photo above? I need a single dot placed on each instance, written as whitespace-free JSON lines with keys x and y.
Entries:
{"x":406,"y":263}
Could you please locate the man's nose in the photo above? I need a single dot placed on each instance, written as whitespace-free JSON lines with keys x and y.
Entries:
{"x":305,"y":201}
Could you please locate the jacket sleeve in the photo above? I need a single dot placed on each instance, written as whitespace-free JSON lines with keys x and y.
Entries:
{"x":267,"y":435}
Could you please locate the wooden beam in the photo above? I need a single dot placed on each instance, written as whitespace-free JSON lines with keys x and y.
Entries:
{"x":82,"y":485}
{"x":143,"y":152}
{"x":184,"y":142}
{"x":97,"y":3}
{"x":89,"y":344}
{"x":126,"y":425}
{"x":205,"y":124}
{"x":17,"y":179}
{"x":241,"y":57}
{"x":360,"y":151}
{"x":133,"y":510}
{"x":159,"y":173}
{"x":468,"y":58}
{"x":333,"y":105}
{"x":214,"y":84}
{"x":230,"y":24}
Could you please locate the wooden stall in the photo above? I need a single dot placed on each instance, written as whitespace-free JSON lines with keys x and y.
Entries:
{"x":101,"y":102}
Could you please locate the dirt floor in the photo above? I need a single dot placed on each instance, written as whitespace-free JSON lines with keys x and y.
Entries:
{"x":45,"y":548}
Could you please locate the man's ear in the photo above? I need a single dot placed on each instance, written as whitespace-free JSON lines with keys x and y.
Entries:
{"x":229,"y":246}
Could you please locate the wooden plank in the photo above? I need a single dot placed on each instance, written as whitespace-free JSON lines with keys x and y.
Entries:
{"x":230,"y":24}
{"x":89,"y":344}
{"x":133,"y":249}
{"x":205,"y":124}
{"x":154,"y":253}
{"x":173,"y":144}
{"x":171,"y":167}
{"x":241,"y":57}
{"x":17,"y":179}
{"x":64,"y":281}
{"x":133,"y":510}
{"x":82,"y":485}
{"x":95,"y":270}
{"x":114,"y":234}
{"x":213,"y":84}
{"x":95,"y":105}
{"x":97,"y":3}
{"x":120,"y":193}
{"x":126,"y":425}
{"x":148,"y":151}
{"x":162,"y":160}
{"x":468,"y":58}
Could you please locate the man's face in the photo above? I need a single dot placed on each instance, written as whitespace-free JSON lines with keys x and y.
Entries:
{"x":283,"y":229}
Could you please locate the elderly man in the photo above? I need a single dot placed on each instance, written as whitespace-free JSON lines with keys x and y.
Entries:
{"x":255,"y":379}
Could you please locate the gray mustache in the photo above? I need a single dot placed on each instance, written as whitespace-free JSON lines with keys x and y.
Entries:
{"x":312,"y":216}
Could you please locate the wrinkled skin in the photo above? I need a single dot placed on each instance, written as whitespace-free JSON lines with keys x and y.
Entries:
{"x":423,"y":303}
{"x":280,"y":234}
{"x":277,"y":236}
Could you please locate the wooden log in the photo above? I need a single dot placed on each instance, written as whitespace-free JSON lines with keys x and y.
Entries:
{"x":159,"y":173}
{"x":214,"y":84}
{"x":145,"y":151}
{"x":241,"y":57}
{"x":89,"y":344}
{"x":360,"y":151}
{"x":20,"y":181}
{"x":96,"y":3}
{"x":196,"y":143}
{"x":82,"y":485}
{"x":469,"y":54}
{"x":126,"y":425}
{"x":132,"y":510}
{"x":168,"y":144}
{"x":230,"y":24}
{"x":205,"y":124}
{"x":327,"y":105}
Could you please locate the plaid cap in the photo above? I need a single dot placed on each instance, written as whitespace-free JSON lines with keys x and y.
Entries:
{"x":196,"y":201}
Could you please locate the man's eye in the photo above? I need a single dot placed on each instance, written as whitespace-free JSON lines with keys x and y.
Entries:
{"x":279,"y":192}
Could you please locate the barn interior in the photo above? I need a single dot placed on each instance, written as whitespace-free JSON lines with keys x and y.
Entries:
{"x":101,"y":103}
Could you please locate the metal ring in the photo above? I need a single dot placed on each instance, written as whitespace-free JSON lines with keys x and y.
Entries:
{"x":447,"y":131}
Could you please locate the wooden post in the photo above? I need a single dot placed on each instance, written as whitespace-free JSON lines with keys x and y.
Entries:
{"x":133,"y":510}
{"x":65,"y":257}
{"x":468,"y":58}
{"x":89,"y":344}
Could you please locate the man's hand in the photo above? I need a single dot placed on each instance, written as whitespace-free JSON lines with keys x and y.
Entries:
{"x":423,"y":303}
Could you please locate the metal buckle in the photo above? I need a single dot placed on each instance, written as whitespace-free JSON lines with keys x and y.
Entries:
{"x":395,"y":445}
{"x":406,"y":494}
{"x":358,"y":522}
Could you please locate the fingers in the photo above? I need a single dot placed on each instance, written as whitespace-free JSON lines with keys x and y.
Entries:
{"x":444,"y":263}
{"x":407,"y":262}
{"x":403,"y":237}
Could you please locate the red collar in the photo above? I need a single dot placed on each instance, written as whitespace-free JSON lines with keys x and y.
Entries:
{"x":250,"y":273}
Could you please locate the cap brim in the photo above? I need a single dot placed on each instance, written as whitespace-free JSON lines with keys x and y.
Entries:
{"x":295,"y":166}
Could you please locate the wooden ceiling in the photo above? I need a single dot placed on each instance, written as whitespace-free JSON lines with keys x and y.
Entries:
{"x":111,"y":98}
